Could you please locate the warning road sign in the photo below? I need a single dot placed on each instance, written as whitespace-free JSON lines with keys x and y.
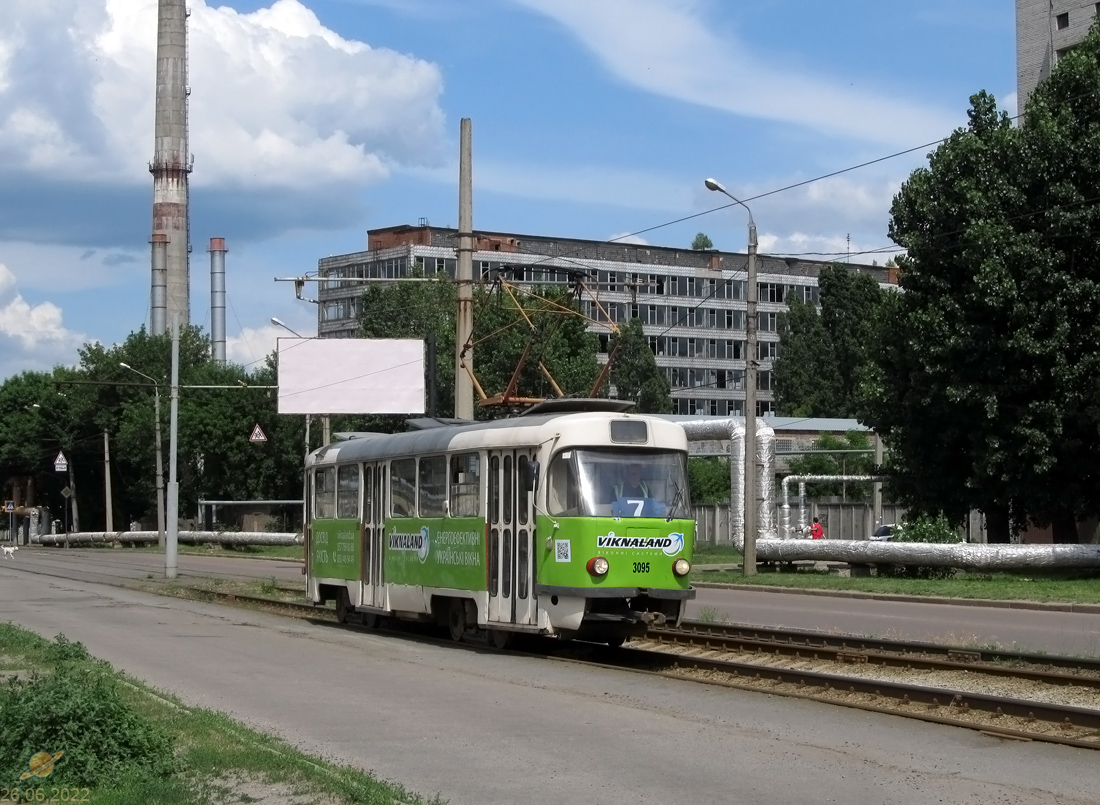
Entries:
{"x":60,"y":464}
{"x":257,"y":434}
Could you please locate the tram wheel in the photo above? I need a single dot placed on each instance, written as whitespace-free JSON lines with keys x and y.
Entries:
{"x":370,"y":620}
{"x":500,"y":639}
{"x":343,"y":606}
{"x":615,"y":642}
{"x":456,"y":619}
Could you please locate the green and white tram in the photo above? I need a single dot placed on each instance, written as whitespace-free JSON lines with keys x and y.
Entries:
{"x":572,"y":520}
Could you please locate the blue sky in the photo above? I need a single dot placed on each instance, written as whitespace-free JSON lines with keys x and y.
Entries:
{"x":313,"y":121}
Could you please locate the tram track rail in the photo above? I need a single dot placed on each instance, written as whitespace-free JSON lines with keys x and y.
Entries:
{"x":686,"y":655}
{"x":907,"y":655}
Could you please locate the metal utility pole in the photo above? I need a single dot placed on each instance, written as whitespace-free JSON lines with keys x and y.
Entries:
{"x":107,"y":485}
{"x":170,"y":168}
{"x":160,"y":460}
{"x":464,"y":357}
{"x":752,"y":505}
{"x":172,"y":541}
{"x":876,"y":504}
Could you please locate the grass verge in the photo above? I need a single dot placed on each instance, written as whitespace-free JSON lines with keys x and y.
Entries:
{"x":124,"y":743}
{"x":1049,"y":587}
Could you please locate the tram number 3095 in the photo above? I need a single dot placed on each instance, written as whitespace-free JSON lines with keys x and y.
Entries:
{"x":641,"y":567}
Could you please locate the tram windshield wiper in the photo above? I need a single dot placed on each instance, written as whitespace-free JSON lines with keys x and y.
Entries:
{"x":675,"y":503}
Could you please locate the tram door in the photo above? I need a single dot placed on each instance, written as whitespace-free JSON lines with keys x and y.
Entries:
{"x":511,"y":538}
{"x":374,"y":519}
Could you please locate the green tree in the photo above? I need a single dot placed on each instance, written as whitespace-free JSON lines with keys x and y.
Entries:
{"x":948,"y":388}
{"x":543,"y":327}
{"x":701,"y":243}
{"x":824,"y":358}
{"x":415,"y":310}
{"x":985,"y":386}
{"x":71,"y":408}
{"x":709,"y":480}
{"x":850,"y":302}
{"x":634,"y":370}
{"x":805,"y":348}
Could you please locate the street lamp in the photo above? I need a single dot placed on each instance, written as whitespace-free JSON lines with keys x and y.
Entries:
{"x":278,"y":323}
{"x":160,"y":461}
{"x":751,"y":507}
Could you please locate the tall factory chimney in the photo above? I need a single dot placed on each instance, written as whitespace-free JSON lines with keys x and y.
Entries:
{"x":170,"y":296}
{"x":217,"y":300}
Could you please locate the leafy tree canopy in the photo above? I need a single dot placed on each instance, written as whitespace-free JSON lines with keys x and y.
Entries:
{"x":984,"y":382}
{"x":701,"y":243}
{"x":635,"y":373}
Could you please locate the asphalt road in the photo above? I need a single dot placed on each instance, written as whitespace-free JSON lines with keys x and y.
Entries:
{"x":480,"y":727}
{"x":1043,"y":629}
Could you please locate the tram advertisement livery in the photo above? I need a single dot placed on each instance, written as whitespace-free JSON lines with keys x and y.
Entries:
{"x":572,"y":521}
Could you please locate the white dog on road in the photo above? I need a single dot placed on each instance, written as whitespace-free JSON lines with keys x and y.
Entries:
{"x":9,"y":551}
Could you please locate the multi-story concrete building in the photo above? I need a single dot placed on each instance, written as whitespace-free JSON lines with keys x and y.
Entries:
{"x":1045,"y":31}
{"x":691,"y":303}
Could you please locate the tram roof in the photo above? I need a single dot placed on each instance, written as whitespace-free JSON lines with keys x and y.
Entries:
{"x":527,"y":430}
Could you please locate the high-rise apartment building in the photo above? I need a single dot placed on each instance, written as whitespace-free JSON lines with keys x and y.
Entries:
{"x":691,"y":303}
{"x":1045,"y":31}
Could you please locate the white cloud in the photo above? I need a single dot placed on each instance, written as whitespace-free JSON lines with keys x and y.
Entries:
{"x":254,"y":344}
{"x":627,"y":237}
{"x":670,"y":48}
{"x":32,"y":333}
{"x":277,"y":99}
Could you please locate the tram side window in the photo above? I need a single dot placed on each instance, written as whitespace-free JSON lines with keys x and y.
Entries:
{"x":403,"y":487}
{"x":465,"y":485}
{"x":433,"y":486}
{"x":368,"y":494}
{"x":347,"y":492}
{"x":563,"y":490}
{"x":522,"y":490}
{"x":324,"y":493}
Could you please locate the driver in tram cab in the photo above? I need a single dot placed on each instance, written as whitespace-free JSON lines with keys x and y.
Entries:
{"x":631,"y":485}
{"x":634,"y":498}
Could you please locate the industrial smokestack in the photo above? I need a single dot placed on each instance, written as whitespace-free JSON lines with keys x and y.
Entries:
{"x":217,"y":300}
{"x":171,"y":162}
{"x":157,"y":303}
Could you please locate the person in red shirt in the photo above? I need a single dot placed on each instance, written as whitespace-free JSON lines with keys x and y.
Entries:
{"x":816,"y":531}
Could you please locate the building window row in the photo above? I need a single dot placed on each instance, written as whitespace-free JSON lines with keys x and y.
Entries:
{"x":342,"y":309}
{"x":682,"y":378}
{"x":706,"y":407}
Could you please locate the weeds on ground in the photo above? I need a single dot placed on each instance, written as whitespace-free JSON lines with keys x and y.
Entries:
{"x":130,"y":745}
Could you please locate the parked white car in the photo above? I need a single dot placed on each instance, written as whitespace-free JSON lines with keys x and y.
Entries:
{"x":884,"y":532}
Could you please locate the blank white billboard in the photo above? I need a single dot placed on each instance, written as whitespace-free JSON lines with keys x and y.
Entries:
{"x":351,"y":376}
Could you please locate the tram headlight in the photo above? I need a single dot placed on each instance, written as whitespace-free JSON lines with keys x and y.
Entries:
{"x":681,"y":567}
{"x":597,"y":566}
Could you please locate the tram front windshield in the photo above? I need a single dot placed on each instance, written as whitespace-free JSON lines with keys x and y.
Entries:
{"x":592,"y":482}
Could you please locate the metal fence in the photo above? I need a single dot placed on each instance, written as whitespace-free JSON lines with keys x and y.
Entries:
{"x":840,"y":520}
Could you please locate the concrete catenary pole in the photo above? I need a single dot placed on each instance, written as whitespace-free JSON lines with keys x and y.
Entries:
{"x":217,"y":300}
{"x":107,"y":496}
{"x":752,"y":504}
{"x":171,"y":542}
{"x":171,"y":162}
{"x":464,"y":356}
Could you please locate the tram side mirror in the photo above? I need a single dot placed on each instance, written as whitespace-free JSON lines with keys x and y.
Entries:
{"x":531,"y":475}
